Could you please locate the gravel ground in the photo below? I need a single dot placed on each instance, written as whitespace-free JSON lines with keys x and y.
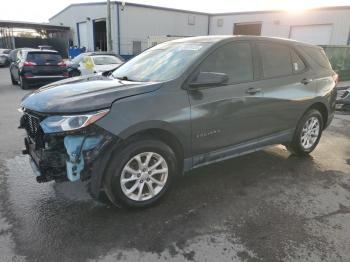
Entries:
{"x":266,"y":206}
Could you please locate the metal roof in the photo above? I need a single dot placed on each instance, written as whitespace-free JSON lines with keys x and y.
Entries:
{"x":30,"y":25}
{"x":196,"y":12}
{"x":325,"y":8}
{"x":130,"y":4}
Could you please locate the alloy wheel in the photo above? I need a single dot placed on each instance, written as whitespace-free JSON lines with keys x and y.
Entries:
{"x":144,"y":176}
{"x":310,"y":132}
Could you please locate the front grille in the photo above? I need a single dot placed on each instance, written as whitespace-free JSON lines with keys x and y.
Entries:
{"x":31,"y":124}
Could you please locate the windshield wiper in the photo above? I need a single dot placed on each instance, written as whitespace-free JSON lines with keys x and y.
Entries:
{"x":124,"y":78}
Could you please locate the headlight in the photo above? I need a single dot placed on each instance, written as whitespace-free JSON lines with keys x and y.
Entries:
{"x":56,"y":124}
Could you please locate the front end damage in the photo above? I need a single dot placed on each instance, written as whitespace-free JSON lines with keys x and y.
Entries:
{"x":63,"y":156}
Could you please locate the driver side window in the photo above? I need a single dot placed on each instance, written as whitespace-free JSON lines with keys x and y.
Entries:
{"x":234,"y":59}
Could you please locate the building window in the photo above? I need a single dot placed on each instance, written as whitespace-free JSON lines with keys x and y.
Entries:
{"x":220,"y":22}
{"x":191,"y":20}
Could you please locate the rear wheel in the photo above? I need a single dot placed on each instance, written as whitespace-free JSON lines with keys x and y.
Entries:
{"x":22,"y":83}
{"x":140,"y":174}
{"x":14,"y":82}
{"x":307,"y":134}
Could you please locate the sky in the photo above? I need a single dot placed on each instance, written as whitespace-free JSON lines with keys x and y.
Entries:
{"x":42,"y":10}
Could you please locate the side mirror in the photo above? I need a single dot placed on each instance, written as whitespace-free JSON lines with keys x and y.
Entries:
{"x":207,"y":79}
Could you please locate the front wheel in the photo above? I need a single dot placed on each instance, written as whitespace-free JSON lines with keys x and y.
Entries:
{"x":140,"y":174}
{"x":307,"y":134}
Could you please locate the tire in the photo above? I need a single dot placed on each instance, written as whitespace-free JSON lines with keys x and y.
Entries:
{"x":141,"y":177}
{"x":22,"y":83}
{"x":305,"y":137}
{"x":14,"y":82}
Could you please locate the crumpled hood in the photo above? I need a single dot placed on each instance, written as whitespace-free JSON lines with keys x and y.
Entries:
{"x":83,"y":94}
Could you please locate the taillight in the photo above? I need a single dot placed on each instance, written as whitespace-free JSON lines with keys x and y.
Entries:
{"x":62,"y":64}
{"x":336,"y":78}
{"x":29,"y":64}
{"x":65,"y":74}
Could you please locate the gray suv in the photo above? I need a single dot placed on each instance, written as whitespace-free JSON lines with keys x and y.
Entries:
{"x":175,"y":107}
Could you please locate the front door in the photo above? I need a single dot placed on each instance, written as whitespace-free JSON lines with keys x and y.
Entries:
{"x":227,"y":114}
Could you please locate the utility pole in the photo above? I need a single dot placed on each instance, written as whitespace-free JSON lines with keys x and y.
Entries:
{"x":109,"y":31}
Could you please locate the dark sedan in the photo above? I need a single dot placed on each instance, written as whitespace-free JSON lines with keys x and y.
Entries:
{"x":37,"y":67}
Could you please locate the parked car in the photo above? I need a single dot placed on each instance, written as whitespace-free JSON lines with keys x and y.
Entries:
{"x":37,"y":67}
{"x":13,"y":53}
{"x":343,"y":99}
{"x":4,"y":57}
{"x":177,"y":106}
{"x":92,"y":63}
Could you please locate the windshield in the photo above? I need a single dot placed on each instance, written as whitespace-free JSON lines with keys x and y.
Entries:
{"x":106,"y":60}
{"x":161,"y":63}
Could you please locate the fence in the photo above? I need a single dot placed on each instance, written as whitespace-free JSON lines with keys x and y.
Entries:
{"x":339,"y":56}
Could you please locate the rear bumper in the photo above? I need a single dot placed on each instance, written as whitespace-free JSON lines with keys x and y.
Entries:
{"x":43,"y":79}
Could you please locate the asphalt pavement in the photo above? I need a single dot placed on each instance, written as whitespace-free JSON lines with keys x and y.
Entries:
{"x":266,"y":206}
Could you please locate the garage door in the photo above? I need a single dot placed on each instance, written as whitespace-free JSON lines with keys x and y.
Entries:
{"x":313,"y":34}
{"x":82,"y":31}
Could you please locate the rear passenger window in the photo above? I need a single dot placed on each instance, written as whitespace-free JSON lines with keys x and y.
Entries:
{"x":276,"y":60}
{"x":318,"y":55}
{"x":298,"y":64}
{"x":233,"y":59}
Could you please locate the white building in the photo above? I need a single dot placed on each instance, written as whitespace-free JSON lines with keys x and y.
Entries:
{"x":322,"y":26}
{"x":134,"y":24}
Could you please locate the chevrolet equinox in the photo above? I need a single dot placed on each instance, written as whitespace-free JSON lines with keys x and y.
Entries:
{"x":175,"y":107}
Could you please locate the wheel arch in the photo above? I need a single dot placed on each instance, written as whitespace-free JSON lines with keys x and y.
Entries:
{"x":101,"y":166}
{"x":164,"y":135}
{"x":322,"y":108}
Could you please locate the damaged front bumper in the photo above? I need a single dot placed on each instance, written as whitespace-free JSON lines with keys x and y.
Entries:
{"x":65,"y":156}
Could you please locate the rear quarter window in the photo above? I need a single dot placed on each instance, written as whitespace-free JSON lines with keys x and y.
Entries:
{"x":298,"y":64}
{"x":318,"y":56}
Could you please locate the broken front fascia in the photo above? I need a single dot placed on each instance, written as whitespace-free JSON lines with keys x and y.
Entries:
{"x":80,"y":151}
{"x":82,"y":145}
{"x":75,"y":146}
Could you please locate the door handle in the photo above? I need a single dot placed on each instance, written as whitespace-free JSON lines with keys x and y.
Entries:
{"x":306,"y":81}
{"x":253,"y":90}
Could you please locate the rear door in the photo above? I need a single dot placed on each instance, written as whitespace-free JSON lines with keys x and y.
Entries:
{"x":228,"y":114}
{"x":45,"y":63}
{"x":286,"y":82}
